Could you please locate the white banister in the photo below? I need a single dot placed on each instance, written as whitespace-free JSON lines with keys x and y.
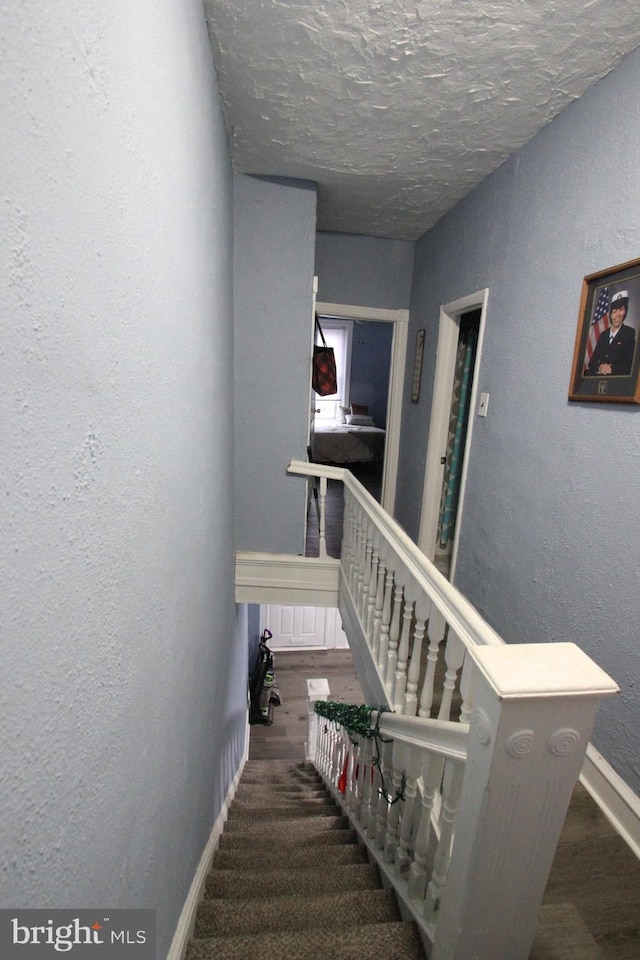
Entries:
{"x":456,"y":610}
{"x":462,"y":792}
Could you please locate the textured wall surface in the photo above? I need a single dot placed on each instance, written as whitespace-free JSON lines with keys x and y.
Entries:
{"x":273,"y":260}
{"x":122,"y":693}
{"x":550,"y":541}
{"x":364,"y":271}
{"x":397,"y":110}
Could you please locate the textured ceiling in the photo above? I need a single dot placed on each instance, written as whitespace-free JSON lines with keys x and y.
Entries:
{"x":397,"y":109}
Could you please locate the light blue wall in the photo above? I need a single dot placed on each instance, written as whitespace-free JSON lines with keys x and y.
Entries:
{"x":124,"y":661}
{"x":370,"y":367}
{"x":273,"y":262}
{"x":364,"y":271}
{"x":550,"y":542}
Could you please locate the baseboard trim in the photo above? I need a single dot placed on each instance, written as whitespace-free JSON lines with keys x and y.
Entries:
{"x":615,"y":798}
{"x":187,"y":920}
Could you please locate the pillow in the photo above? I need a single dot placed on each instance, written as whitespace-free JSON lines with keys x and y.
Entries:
{"x":359,"y":408}
{"x":359,"y":421}
{"x":342,"y":414}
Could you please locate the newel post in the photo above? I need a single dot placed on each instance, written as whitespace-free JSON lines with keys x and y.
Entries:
{"x":317,"y":689}
{"x":534,"y":706}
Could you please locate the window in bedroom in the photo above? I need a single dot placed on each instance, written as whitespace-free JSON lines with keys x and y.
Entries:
{"x":338,"y":334}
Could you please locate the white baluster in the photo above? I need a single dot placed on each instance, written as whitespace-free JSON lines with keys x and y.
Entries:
{"x":413,"y":674}
{"x":451,"y":785}
{"x":385,"y":621}
{"x":377,"y":606}
{"x":364,"y":811}
{"x":363,"y":599}
{"x":372,"y":591}
{"x":453,"y":656}
{"x":410,"y":814}
{"x":394,"y":636}
{"x":323,"y":517}
{"x":376,"y":785}
{"x":383,"y":802}
{"x":350,"y":789}
{"x":400,"y":679}
{"x":396,"y":800}
{"x":346,"y":553}
{"x":337,"y":753}
{"x":355,"y":535}
{"x":465,"y":690}
{"x":436,"y":633}
{"x":359,"y":777}
{"x":432,"y":769}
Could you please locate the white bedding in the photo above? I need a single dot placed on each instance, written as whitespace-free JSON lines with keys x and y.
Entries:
{"x":334,"y":442}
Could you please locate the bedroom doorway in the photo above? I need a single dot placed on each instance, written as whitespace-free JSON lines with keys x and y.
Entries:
{"x":399,"y":320}
{"x":459,"y":348}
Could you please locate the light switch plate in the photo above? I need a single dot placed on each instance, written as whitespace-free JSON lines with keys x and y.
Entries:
{"x":483,"y":406}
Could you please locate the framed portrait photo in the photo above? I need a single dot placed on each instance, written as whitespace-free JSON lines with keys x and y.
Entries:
{"x":606,"y":356}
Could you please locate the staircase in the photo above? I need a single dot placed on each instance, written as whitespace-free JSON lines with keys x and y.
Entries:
{"x":289,"y":879}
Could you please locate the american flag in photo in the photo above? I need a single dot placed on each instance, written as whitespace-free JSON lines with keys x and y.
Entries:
{"x":599,"y":325}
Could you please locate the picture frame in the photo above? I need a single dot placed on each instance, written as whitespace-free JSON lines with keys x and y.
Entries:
{"x":417,"y":366}
{"x":605,"y":369}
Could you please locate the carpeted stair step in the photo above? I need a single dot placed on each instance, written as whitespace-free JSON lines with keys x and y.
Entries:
{"x":261,"y":882}
{"x":264,"y":842}
{"x":263,"y":811}
{"x":217,"y":918}
{"x":279,"y":857}
{"x":286,"y":841}
{"x":257,"y":794}
{"x":393,"y":941}
{"x":266,"y":771}
{"x":249,"y":806}
{"x":286,"y":787}
{"x":289,"y":827}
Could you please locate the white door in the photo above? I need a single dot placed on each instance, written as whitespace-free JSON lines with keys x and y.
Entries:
{"x":296,"y":627}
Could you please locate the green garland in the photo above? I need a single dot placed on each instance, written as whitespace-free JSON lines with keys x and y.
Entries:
{"x":356,"y":720}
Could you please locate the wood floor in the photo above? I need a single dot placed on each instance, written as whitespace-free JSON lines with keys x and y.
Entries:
{"x":370,"y":476}
{"x":594,"y":870}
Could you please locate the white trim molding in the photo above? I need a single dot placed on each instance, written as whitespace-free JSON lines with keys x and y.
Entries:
{"x":187,"y":920}
{"x":286,"y":579}
{"x":448,"y":332}
{"x":615,"y":798}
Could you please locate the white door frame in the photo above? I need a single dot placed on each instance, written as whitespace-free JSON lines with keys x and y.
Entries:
{"x":449,"y":329}
{"x":400,"y":321}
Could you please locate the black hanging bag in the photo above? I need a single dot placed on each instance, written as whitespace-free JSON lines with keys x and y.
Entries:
{"x":324,"y":378}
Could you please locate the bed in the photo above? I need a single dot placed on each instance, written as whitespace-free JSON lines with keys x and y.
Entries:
{"x":339,"y":443}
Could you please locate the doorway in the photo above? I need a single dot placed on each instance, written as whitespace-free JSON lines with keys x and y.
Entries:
{"x":400,"y":321}
{"x":459,"y":347}
{"x":300,"y":627}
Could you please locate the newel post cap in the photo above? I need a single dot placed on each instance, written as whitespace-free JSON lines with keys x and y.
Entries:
{"x":318,"y":688}
{"x":541,"y":670}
